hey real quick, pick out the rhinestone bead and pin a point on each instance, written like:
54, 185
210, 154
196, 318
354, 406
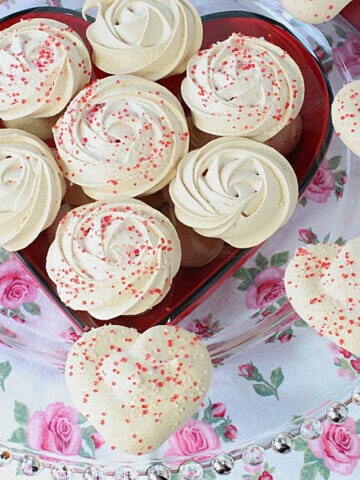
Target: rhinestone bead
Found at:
158, 472
253, 455
311, 428
337, 413
30, 465
5, 456
61, 471
126, 473
191, 470
223, 464
94, 472
283, 443
356, 395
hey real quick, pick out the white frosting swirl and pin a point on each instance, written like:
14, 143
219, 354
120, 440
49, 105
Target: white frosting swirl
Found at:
115, 258
121, 135
243, 86
149, 38
31, 188
236, 189
44, 63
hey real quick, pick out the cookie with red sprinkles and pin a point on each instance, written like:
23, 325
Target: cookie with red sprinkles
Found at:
322, 282
243, 86
138, 389
314, 11
113, 258
43, 64
345, 111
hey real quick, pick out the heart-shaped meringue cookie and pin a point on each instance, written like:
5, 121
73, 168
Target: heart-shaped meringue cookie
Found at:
314, 11
322, 282
345, 112
137, 389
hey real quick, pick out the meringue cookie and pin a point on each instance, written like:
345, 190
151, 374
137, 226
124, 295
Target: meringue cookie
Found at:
235, 189
322, 284
243, 86
114, 258
314, 11
345, 111
145, 38
121, 135
44, 63
138, 389
31, 188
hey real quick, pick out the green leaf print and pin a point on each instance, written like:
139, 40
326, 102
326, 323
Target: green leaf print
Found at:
277, 377
19, 436
300, 444
89, 443
340, 31
309, 457
4, 255
246, 276
261, 261
309, 471
263, 390
5, 370
32, 308
334, 162
81, 418
21, 413
279, 259
324, 472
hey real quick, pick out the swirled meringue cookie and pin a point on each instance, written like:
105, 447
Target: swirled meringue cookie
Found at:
235, 189
151, 39
31, 188
244, 86
314, 11
121, 135
345, 113
113, 258
44, 63
322, 283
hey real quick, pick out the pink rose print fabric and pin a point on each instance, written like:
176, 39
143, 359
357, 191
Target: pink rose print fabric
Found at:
268, 286
16, 285
203, 435
55, 430
339, 447
195, 436
347, 55
329, 180
58, 428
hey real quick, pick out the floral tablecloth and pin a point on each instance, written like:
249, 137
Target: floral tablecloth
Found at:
263, 389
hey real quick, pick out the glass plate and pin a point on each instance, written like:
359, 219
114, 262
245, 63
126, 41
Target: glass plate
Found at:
257, 419
192, 285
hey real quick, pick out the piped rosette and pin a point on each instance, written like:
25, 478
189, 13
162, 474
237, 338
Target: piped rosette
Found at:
113, 258
44, 63
145, 38
121, 135
322, 282
243, 86
235, 189
31, 188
